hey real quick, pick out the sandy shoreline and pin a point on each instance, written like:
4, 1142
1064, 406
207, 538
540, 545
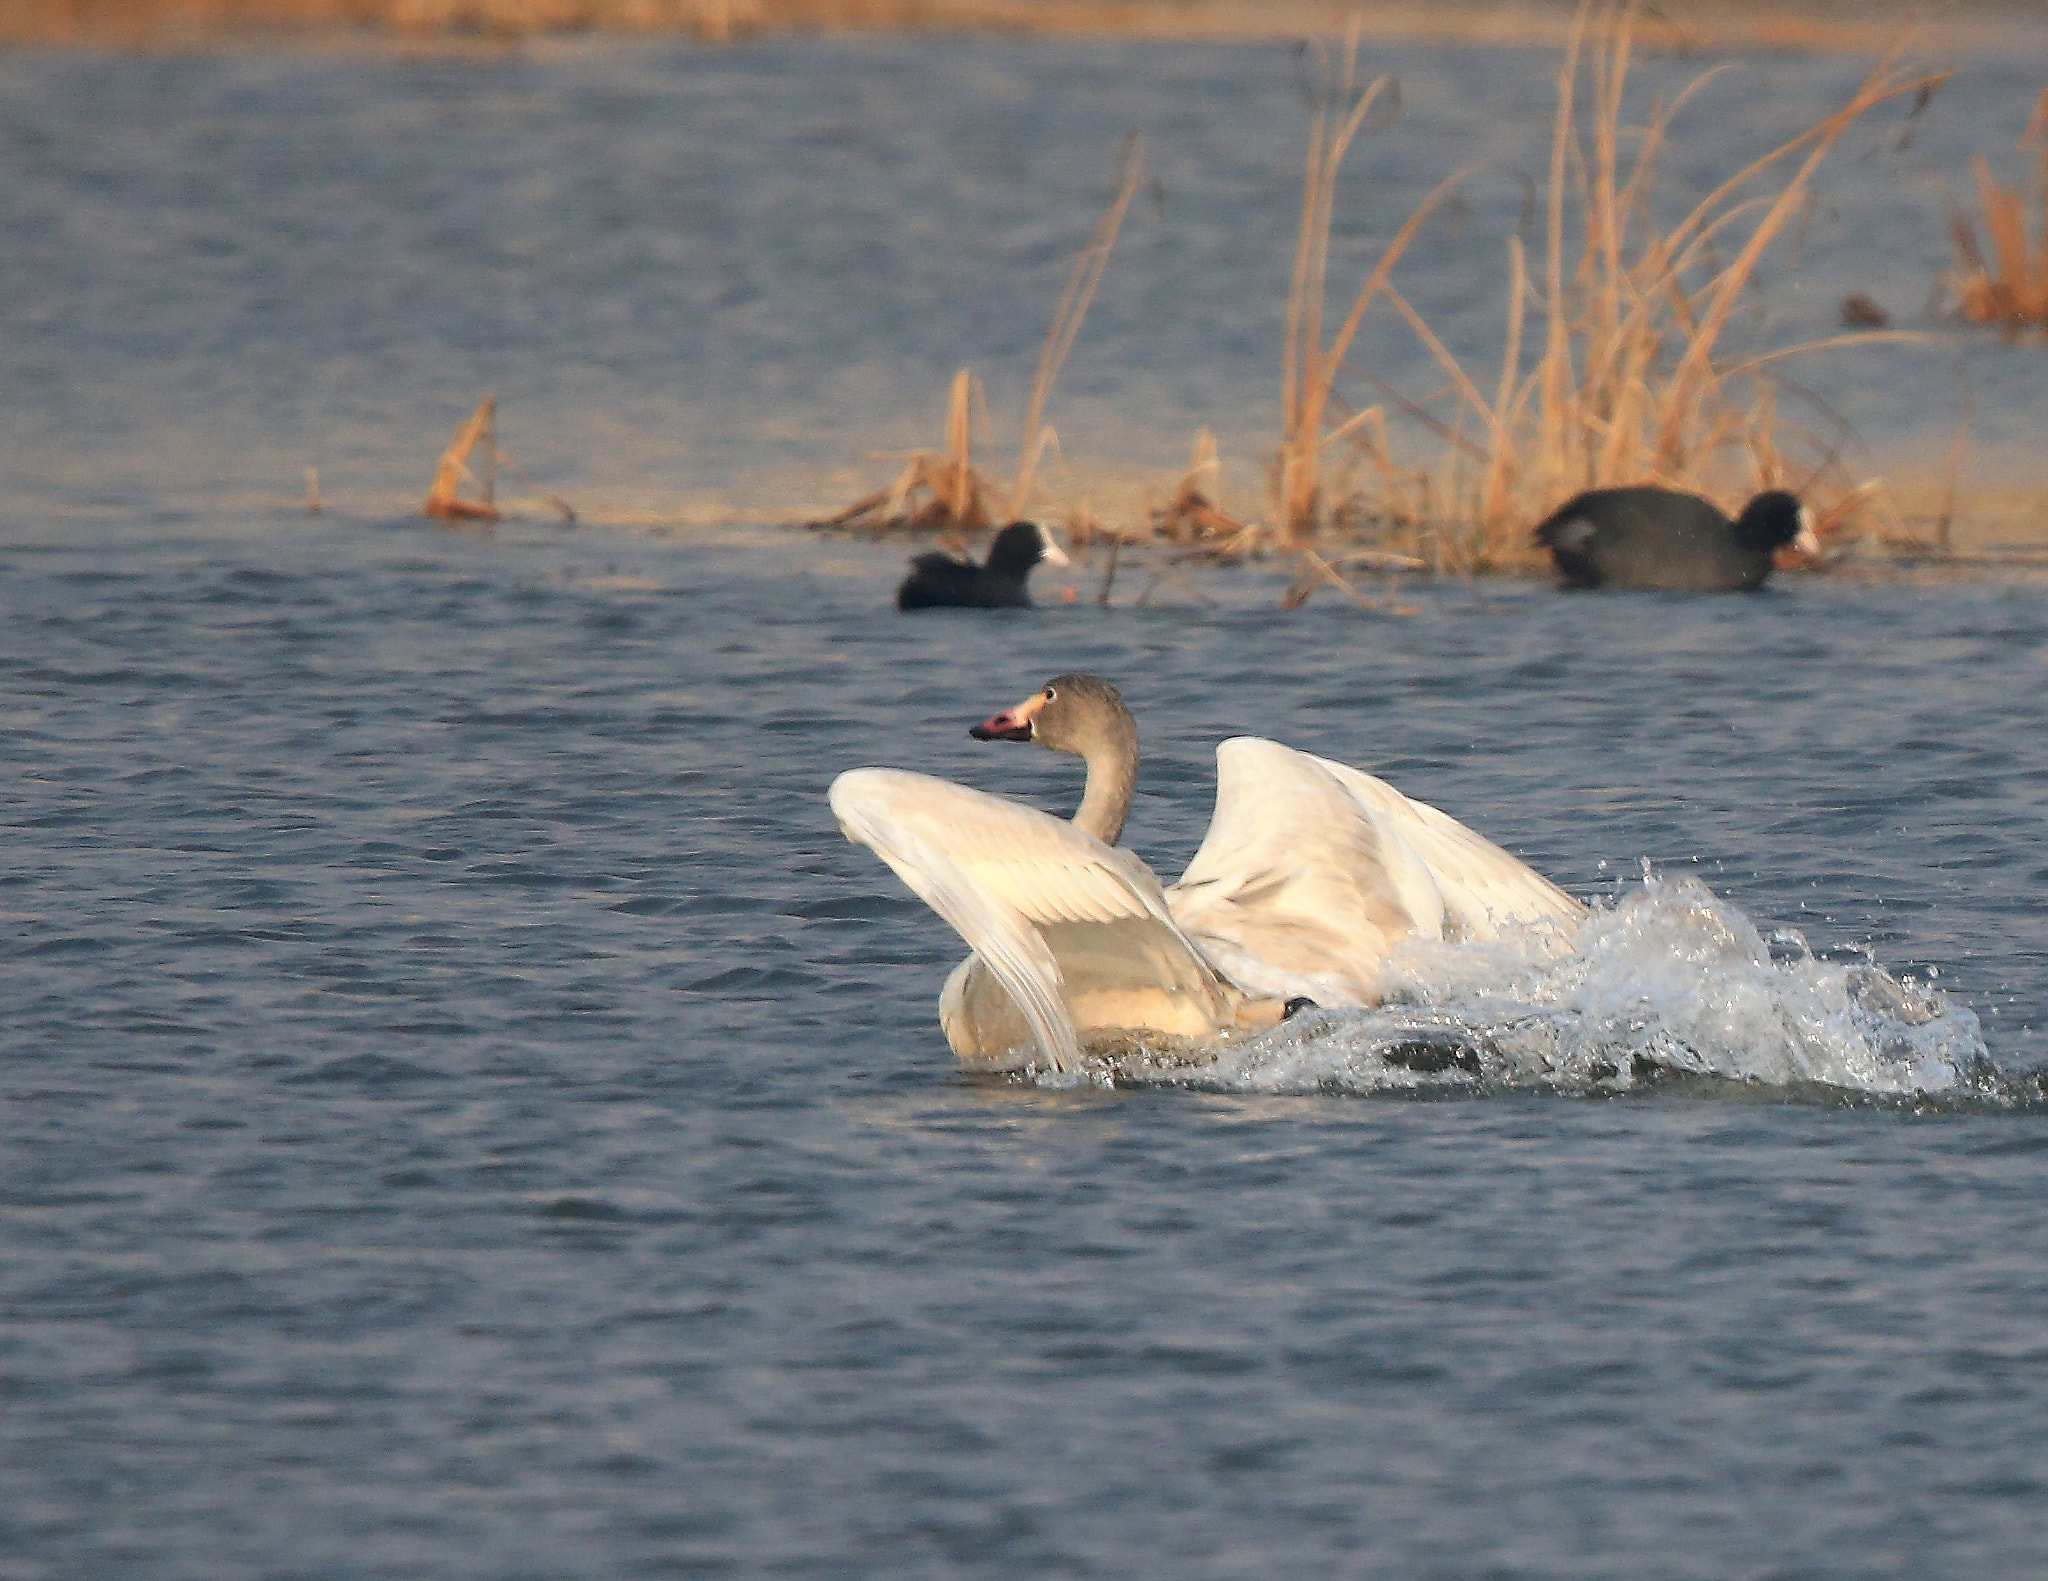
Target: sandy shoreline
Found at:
1817, 25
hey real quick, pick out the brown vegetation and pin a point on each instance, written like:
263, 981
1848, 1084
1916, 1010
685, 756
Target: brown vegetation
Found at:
1614, 367
938, 491
1629, 381
2006, 283
1194, 516
445, 501
1310, 364
1719, 23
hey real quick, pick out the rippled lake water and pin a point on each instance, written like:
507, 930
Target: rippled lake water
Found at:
470, 1115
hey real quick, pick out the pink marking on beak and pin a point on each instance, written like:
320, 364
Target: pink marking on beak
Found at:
1006, 726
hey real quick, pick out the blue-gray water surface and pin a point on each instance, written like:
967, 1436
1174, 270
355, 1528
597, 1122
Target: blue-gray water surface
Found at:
707, 281
469, 1115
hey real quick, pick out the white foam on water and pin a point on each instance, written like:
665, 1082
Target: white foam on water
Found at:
1667, 979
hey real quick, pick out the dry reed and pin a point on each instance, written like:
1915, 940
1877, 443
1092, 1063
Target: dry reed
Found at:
1310, 364
1629, 382
938, 491
1195, 515
1072, 313
942, 490
479, 430
2005, 284
444, 499
1312, 571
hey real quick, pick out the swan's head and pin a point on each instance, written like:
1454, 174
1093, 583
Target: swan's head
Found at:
1070, 713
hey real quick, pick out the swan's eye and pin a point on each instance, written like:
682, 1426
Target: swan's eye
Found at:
1050, 694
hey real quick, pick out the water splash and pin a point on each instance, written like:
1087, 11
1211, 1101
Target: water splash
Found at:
1667, 983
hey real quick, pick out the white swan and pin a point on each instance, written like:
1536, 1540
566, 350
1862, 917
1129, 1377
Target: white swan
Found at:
1310, 873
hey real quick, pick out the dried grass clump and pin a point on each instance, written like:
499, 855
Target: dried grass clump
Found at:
2006, 285
938, 491
445, 501
1627, 381
444, 498
1194, 518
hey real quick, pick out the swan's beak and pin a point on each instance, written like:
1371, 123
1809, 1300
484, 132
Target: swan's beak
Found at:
1012, 724
1808, 541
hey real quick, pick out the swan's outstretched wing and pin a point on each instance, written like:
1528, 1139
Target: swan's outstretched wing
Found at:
1050, 911
1484, 888
1299, 888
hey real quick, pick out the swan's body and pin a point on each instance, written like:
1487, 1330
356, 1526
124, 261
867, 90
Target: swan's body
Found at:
1069, 935
1310, 874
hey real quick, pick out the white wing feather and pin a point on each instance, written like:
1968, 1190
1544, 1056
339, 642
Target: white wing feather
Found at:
1298, 888
1310, 873
1484, 889
999, 872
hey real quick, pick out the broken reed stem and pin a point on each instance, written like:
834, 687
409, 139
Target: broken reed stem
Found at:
444, 499
1944, 527
1309, 365
1195, 514
1072, 312
958, 488
555, 501
1116, 546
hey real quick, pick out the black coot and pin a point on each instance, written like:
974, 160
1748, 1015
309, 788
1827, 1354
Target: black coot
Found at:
938, 581
1646, 537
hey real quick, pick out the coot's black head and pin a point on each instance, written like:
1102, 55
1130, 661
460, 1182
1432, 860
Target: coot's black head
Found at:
1774, 519
1020, 546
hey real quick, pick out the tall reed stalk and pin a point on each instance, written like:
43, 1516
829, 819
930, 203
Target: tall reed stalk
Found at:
1621, 378
1339, 106
2008, 286
1072, 312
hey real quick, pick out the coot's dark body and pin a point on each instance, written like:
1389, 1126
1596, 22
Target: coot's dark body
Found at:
1658, 539
938, 581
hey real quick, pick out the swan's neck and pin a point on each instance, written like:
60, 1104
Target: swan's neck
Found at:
1112, 781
